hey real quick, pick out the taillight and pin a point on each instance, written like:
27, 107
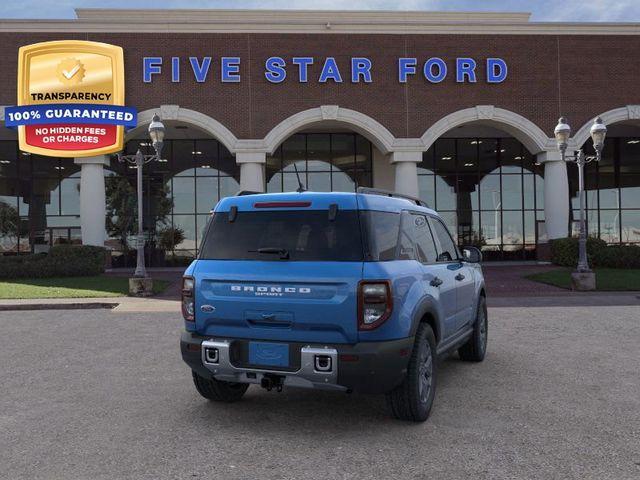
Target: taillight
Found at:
374, 303
188, 305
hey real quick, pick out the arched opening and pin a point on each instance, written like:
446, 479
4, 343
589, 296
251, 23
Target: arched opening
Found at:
179, 193
327, 158
488, 188
612, 186
333, 148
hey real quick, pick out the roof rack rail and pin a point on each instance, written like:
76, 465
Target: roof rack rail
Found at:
389, 193
242, 193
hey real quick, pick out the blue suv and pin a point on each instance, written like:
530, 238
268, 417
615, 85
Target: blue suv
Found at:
341, 291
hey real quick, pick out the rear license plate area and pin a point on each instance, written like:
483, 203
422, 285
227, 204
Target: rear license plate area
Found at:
265, 354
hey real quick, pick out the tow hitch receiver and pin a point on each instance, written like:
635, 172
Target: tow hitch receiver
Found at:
270, 381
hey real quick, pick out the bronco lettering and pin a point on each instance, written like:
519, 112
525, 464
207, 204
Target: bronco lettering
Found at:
266, 290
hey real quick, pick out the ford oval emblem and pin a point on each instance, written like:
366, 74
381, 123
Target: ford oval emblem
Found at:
208, 308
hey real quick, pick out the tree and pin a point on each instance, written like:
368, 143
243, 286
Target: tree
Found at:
122, 208
169, 237
9, 221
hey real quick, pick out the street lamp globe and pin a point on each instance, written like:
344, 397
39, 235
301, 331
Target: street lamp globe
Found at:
598, 132
562, 133
156, 132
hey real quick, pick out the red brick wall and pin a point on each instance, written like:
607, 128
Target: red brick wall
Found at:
578, 76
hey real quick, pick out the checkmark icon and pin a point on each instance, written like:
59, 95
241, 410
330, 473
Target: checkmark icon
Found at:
71, 73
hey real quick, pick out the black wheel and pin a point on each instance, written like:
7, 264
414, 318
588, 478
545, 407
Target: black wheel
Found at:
412, 400
476, 347
217, 391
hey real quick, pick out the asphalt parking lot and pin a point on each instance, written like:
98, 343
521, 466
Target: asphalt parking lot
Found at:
98, 394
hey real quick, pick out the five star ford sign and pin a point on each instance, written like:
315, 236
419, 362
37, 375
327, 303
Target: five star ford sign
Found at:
70, 99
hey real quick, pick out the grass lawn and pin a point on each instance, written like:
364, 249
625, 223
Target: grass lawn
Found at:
71, 287
607, 279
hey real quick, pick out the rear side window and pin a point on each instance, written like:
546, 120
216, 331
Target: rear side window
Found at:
382, 229
448, 251
304, 235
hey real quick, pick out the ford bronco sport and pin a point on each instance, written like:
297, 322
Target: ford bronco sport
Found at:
342, 291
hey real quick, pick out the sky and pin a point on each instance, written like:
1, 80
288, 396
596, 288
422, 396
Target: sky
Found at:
542, 10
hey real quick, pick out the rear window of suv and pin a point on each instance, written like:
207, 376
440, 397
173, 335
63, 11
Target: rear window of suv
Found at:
293, 235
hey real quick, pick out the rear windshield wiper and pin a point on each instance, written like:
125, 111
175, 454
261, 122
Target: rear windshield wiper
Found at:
283, 252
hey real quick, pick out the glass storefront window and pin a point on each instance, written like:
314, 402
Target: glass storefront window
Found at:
489, 189
182, 161
188, 225
610, 226
630, 189
490, 193
183, 194
530, 228
487, 159
445, 195
630, 224
445, 156
426, 166
70, 195
206, 194
498, 193
612, 191
192, 177
342, 182
512, 230
318, 149
529, 191
8, 159
325, 161
467, 192
319, 182
426, 187
512, 192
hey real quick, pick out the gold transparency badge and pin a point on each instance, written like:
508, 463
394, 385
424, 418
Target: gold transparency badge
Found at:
71, 99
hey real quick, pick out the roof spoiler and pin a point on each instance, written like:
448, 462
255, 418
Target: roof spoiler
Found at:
389, 193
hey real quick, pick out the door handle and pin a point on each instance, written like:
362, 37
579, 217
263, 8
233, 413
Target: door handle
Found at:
459, 277
436, 282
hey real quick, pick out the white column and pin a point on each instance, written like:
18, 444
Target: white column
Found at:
251, 170
383, 171
406, 167
93, 209
556, 194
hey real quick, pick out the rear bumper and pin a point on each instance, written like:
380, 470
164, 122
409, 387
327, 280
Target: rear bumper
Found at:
367, 367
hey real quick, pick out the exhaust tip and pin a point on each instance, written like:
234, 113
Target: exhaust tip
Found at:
323, 363
211, 355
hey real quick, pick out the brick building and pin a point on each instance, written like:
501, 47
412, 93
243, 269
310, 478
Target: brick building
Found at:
457, 108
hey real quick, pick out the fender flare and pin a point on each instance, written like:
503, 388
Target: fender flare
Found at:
427, 306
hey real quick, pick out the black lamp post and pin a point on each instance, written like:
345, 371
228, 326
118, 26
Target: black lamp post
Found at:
156, 133
598, 132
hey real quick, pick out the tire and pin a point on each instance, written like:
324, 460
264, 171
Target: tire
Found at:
476, 347
413, 398
218, 391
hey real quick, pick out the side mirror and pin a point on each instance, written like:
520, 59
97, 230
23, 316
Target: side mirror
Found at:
471, 254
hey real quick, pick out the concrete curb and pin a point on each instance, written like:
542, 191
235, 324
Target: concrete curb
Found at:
57, 306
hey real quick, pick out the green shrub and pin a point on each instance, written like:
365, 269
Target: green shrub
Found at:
169, 237
618, 256
564, 252
61, 261
178, 261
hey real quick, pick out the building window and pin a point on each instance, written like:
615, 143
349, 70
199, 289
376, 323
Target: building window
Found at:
179, 192
488, 191
612, 190
39, 201
325, 162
